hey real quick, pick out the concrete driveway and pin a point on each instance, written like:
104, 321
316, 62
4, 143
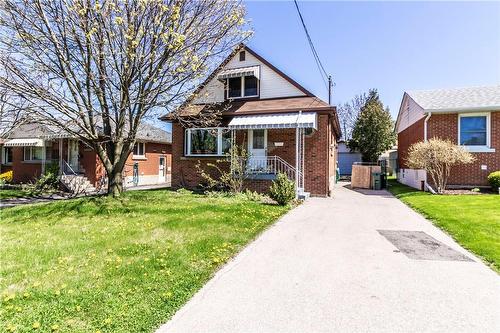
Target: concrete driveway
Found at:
325, 267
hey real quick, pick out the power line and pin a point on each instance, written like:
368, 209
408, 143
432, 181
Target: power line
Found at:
324, 75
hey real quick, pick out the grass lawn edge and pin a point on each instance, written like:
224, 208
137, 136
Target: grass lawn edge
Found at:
435, 221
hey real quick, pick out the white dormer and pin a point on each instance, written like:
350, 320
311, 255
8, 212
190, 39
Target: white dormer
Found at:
247, 75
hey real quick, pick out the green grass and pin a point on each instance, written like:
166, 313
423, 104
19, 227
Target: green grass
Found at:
117, 265
12, 193
472, 220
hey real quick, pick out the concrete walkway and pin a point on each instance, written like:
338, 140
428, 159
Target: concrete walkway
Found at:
324, 267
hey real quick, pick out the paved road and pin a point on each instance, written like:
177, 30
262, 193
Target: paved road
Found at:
324, 267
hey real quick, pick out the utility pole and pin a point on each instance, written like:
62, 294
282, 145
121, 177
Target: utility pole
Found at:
329, 89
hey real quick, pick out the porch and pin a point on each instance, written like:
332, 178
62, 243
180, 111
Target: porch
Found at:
275, 144
33, 157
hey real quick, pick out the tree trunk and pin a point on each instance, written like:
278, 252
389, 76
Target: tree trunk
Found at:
115, 183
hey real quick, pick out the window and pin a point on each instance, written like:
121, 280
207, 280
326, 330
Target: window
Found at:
474, 130
207, 141
242, 56
7, 155
139, 149
250, 86
33, 153
245, 86
234, 87
258, 139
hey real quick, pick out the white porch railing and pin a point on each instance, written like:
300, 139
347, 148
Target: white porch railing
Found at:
273, 165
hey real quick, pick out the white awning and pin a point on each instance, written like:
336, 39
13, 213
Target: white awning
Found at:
239, 72
24, 143
280, 120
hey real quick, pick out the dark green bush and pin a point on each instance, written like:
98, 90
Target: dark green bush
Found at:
282, 190
494, 180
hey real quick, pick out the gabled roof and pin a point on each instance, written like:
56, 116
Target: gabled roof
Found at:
190, 110
470, 99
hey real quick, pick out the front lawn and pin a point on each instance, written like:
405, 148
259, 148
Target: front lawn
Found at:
12, 193
472, 220
117, 265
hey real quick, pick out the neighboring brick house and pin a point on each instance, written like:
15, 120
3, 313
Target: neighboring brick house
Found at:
466, 116
30, 148
283, 126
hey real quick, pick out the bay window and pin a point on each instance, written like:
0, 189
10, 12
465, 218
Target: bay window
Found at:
474, 131
207, 141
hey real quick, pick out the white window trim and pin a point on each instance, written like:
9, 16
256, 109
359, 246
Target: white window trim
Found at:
187, 141
31, 160
139, 157
242, 95
479, 148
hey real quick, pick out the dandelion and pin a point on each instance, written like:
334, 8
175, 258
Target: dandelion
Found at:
36, 325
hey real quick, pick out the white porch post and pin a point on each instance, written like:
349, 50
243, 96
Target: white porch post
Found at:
297, 160
43, 156
60, 156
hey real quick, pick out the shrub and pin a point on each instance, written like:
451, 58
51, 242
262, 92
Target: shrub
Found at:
6, 177
282, 190
494, 180
436, 157
227, 174
48, 182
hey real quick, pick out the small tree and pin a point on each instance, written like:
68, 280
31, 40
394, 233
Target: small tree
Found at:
437, 157
230, 178
373, 131
348, 113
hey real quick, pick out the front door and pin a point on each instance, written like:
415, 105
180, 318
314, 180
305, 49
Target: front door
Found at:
257, 148
73, 155
161, 170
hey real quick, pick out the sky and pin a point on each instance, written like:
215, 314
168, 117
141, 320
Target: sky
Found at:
390, 46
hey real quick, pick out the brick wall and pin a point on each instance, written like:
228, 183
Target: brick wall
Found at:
445, 126
150, 165
24, 172
316, 160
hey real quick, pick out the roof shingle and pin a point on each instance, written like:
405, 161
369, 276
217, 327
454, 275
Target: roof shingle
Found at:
458, 98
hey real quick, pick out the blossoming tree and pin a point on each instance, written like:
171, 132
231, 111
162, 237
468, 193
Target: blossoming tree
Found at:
97, 68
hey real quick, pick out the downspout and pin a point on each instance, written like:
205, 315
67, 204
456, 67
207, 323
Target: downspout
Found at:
425, 125
297, 138
427, 186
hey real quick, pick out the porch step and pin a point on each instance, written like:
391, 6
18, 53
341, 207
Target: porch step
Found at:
77, 184
301, 195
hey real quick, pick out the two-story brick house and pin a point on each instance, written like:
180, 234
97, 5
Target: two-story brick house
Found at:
469, 117
284, 127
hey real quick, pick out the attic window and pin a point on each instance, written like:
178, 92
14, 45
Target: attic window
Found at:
242, 56
240, 87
